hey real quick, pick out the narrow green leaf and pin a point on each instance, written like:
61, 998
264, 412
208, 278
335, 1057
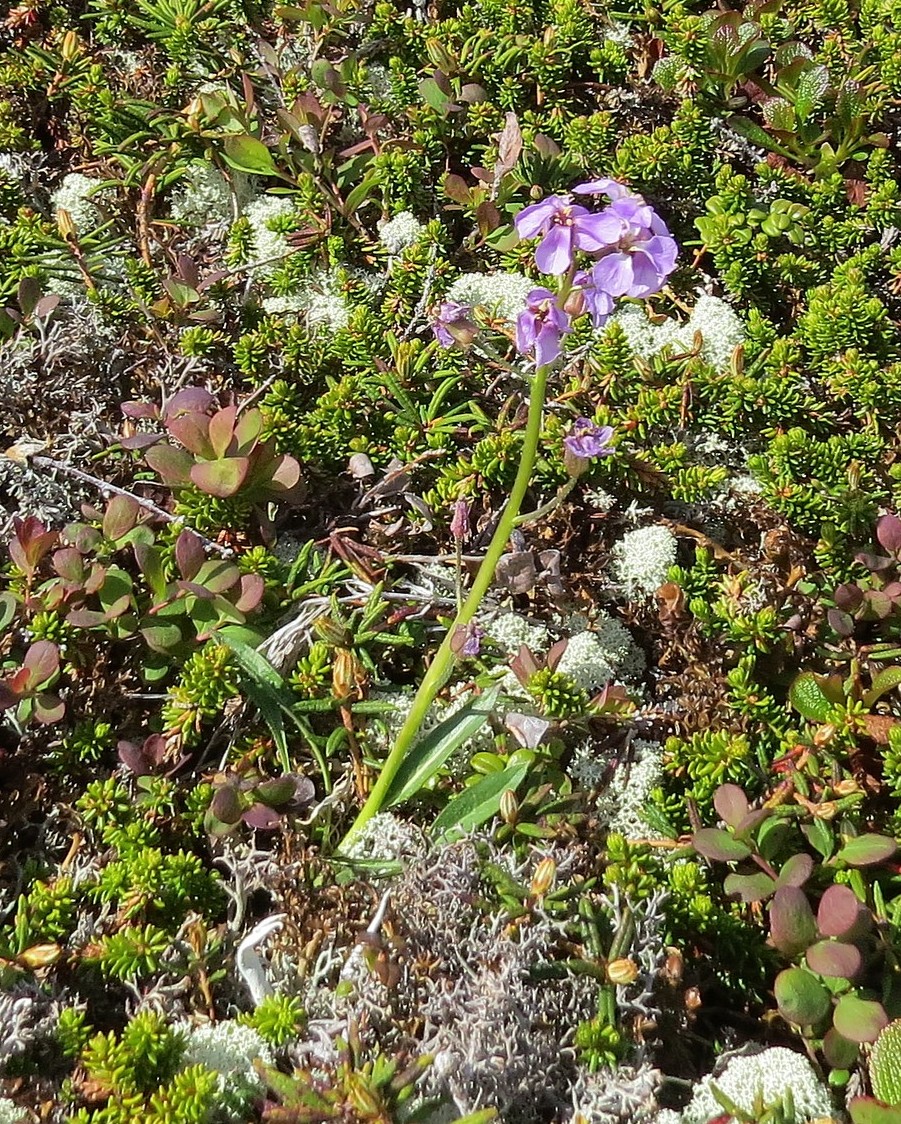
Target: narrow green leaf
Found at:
429, 754
475, 805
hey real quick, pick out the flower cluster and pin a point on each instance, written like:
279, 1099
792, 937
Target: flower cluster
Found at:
634, 252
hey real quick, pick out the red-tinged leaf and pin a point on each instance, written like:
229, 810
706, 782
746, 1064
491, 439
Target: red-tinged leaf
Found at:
189, 554
192, 431
867, 1110
555, 654
252, 589
137, 410
719, 845
888, 532
834, 958
867, 850
196, 589
191, 400
731, 804
221, 430
286, 475
524, 665
488, 217
222, 478
749, 887
792, 924
456, 188
173, 465
31, 541
120, 516
226, 804
86, 618
48, 709
262, 818
69, 564
248, 429
796, 870
839, 912
8, 697
859, 1020
42, 662
801, 997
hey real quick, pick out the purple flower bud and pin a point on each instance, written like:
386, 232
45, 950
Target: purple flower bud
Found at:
540, 326
588, 440
472, 645
452, 324
460, 522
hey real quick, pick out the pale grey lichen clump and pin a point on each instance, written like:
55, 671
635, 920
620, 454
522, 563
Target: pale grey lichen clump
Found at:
400, 232
630, 781
503, 294
642, 558
11, 1113
205, 198
76, 195
229, 1049
264, 216
767, 1075
720, 328
387, 838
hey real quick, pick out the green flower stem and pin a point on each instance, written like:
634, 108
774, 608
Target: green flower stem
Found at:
440, 667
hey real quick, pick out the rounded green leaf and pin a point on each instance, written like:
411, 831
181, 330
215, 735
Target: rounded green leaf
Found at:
220, 478
867, 850
792, 924
839, 1052
801, 997
859, 1020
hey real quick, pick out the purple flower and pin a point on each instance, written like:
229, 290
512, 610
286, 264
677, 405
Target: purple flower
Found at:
452, 324
472, 645
596, 302
588, 440
613, 189
539, 327
566, 227
643, 256
460, 522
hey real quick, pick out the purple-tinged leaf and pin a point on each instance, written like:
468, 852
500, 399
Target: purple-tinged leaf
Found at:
221, 430
226, 804
888, 532
731, 804
839, 1051
252, 589
792, 924
796, 870
841, 623
859, 1020
262, 818
48, 708
719, 845
120, 516
848, 597
839, 912
42, 662
834, 958
171, 464
191, 400
189, 554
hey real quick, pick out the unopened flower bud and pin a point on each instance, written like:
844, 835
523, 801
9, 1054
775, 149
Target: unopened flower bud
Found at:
509, 806
543, 878
460, 522
65, 224
622, 971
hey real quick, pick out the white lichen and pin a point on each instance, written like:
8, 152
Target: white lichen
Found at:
621, 806
502, 294
76, 195
11, 1113
642, 558
763, 1077
510, 632
401, 231
720, 327
204, 197
386, 838
229, 1049
603, 654
267, 217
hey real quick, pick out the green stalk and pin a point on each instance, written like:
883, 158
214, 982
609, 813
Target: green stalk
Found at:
440, 667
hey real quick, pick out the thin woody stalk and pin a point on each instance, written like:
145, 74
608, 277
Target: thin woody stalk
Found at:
443, 661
